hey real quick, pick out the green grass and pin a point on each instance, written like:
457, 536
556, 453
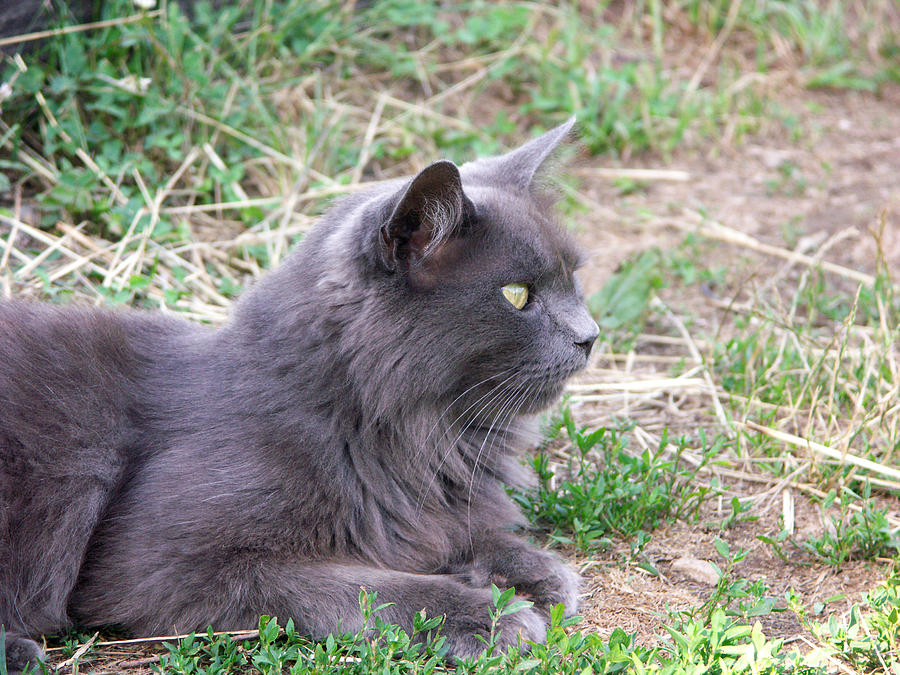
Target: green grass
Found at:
605, 491
149, 131
720, 642
98, 122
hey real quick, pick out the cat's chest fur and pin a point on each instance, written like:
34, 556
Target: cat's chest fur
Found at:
229, 455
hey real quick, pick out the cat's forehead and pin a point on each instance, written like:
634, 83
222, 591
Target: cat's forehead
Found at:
525, 226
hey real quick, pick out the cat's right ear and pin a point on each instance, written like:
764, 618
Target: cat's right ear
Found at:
430, 209
519, 168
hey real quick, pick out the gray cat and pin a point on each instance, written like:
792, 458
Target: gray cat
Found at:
353, 424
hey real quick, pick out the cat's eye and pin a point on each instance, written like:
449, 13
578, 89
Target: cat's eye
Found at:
517, 294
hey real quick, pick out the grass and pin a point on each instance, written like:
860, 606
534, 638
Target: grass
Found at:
153, 131
603, 490
165, 164
720, 643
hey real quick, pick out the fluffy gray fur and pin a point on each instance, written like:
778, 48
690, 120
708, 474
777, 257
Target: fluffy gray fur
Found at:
353, 424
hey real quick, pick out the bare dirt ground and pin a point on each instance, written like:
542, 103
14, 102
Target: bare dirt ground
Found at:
844, 172
820, 190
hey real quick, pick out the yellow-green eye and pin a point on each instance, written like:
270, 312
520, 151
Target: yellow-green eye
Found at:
517, 294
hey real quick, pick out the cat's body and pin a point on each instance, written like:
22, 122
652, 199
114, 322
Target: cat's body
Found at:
352, 425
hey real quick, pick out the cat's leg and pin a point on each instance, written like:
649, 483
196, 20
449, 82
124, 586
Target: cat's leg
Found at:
507, 560
21, 653
49, 514
322, 597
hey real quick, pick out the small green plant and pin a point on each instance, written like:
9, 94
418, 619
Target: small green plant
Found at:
724, 645
377, 647
737, 596
869, 638
606, 491
739, 514
504, 605
861, 533
689, 264
789, 181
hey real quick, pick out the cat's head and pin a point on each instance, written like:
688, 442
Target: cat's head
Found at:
466, 294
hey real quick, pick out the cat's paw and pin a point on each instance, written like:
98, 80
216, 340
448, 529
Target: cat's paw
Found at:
561, 585
545, 580
22, 653
525, 625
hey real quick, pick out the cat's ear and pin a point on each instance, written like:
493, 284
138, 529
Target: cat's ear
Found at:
426, 212
518, 168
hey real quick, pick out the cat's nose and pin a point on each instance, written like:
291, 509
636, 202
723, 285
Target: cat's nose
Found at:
585, 340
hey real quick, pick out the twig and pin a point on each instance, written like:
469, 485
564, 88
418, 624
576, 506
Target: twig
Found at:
633, 174
714, 49
368, 139
82, 155
78, 653
642, 385
798, 442
698, 359
137, 663
806, 487
240, 634
715, 230
65, 30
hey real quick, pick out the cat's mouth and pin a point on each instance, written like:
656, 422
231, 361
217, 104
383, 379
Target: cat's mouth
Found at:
546, 385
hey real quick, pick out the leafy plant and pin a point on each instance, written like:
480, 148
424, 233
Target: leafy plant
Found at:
606, 491
863, 533
868, 638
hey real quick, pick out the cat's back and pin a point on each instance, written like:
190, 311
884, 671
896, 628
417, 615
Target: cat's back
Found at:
64, 373
72, 379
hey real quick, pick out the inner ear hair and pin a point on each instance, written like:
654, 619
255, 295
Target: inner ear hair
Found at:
441, 218
429, 210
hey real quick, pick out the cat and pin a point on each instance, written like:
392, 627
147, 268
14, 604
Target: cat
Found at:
354, 424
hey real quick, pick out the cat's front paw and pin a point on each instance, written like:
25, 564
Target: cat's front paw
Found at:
525, 625
561, 585
22, 653
545, 580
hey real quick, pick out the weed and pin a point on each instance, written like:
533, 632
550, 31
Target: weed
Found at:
864, 534
869, 637
689, 264
733, 595
721, 645
739, 514
861, 533
789, 181
816, 33
606, 491
504, 605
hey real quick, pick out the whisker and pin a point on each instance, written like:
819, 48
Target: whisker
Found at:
491, 395
507, 408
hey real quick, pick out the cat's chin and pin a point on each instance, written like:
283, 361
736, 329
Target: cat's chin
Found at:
543, 399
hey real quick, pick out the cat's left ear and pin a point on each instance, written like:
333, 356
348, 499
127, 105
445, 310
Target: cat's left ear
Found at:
519, 167
428, 210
